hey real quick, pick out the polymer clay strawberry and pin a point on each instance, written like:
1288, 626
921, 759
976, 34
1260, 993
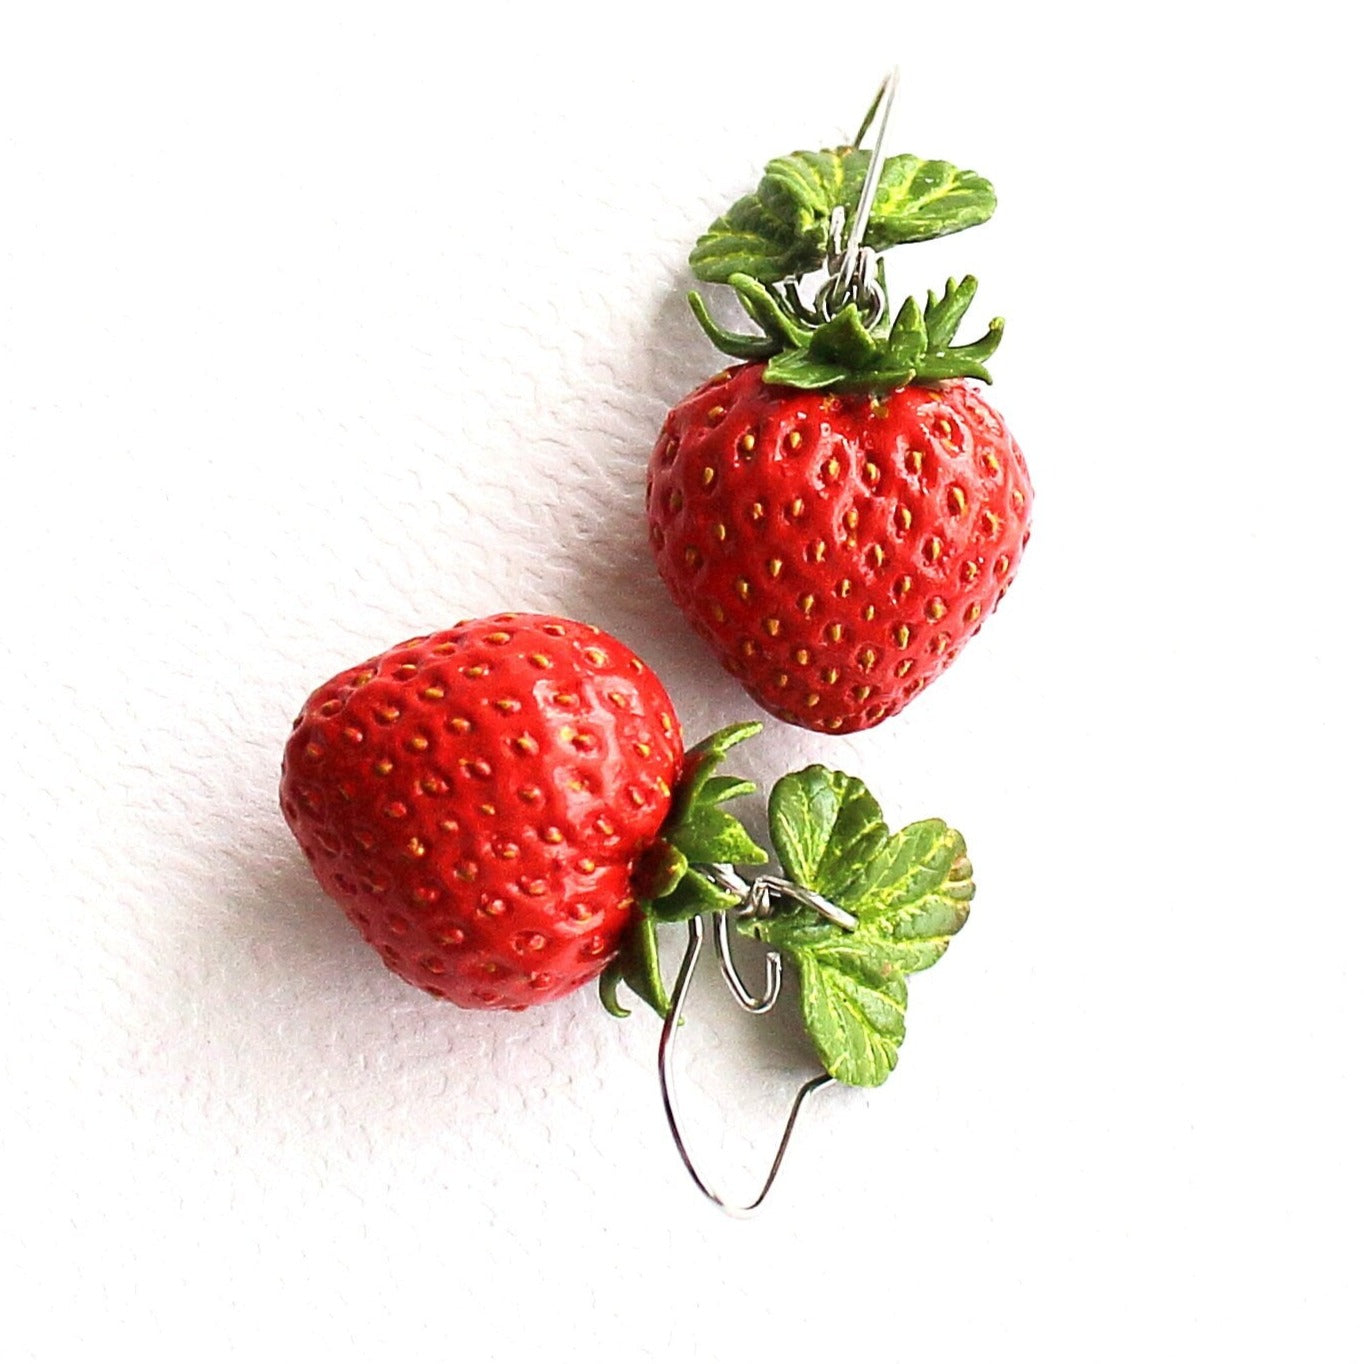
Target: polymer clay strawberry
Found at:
839, 514
476, 800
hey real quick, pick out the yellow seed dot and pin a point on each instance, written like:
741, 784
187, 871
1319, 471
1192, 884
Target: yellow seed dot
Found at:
718, 612
869, 612
748, 648
832, 469
419, 743
836, 722
802, 657
757, 511
643, 749
615, 698
797, 508
973, 611
935, 609
459, 724
940, 643
526, 744
500, 637
383, 767
807, 604
507, 704
773, 626
861, 693
850, 518
1002, 565
774, 568
902, 636
721, 530
831, 675
957, 500
747, 441
872, 473
691, 556
587, 865
716, 414
878, 556
818, 550
903, 667
970, 571
991, 523
707, 476
867, 658
475, 670
415, 847
433, 693
666, 723
835, 633
793, 440
782, 680
903, 585
844, 586
991, 463
933, 550
595, 656
905, 517
1018, 498
812, 699
743, 587
675, 501
540, 660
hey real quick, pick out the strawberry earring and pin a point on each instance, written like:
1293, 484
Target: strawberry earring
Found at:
506, 812
837, 515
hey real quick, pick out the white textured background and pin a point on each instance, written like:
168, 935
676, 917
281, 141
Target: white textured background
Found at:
323, 325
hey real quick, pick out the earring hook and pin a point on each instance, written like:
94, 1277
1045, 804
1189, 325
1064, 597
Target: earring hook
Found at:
666, 1048
854, 261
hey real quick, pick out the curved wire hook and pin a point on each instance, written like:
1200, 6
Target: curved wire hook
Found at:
852, 262
695, 933
746, 1000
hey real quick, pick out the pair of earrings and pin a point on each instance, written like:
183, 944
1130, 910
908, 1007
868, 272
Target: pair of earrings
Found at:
506, 809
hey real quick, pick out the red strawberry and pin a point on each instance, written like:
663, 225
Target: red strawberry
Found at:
476, 801
836, 549
838, 516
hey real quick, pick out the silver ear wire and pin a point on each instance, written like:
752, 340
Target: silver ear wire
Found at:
756, 903
851, 265
695, 934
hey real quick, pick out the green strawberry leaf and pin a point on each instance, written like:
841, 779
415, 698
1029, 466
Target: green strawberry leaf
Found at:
910, 893
918, 200
782, 228
826, 828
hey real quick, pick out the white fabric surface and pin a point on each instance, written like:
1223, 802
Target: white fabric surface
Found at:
321, 327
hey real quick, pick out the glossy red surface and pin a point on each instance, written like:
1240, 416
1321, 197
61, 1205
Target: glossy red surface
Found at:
836, 551
475, 801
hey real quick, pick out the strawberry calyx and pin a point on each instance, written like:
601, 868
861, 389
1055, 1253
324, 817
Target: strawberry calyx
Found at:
847, 354
667, 878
